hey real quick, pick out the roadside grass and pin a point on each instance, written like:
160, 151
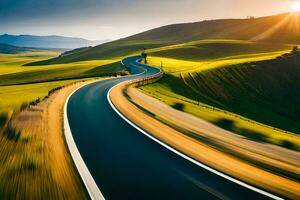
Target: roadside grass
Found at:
12, 97
184, 78
266, 91
173, 91
34, 162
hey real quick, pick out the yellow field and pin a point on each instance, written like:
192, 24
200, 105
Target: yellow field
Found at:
170, 90
176, 66
14, 77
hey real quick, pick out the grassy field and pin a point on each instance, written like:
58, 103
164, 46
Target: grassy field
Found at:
240, 97
34, 162
32, 149
11, 97
13, 69
22, 84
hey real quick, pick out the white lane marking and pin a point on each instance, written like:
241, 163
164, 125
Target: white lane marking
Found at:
189, 158
86, 177
88, 180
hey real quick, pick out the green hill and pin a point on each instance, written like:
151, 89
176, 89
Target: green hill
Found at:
10, 49
281, 28
273, 29
266, 91
202, 50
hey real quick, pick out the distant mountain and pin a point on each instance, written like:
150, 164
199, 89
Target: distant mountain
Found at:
277, 29
47, 41
10, 49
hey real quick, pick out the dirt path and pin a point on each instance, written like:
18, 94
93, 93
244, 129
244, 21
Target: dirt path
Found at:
202, 151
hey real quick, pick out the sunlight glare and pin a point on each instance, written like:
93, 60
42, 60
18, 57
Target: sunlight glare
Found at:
295, 6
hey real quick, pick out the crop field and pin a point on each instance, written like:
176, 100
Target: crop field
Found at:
223, 90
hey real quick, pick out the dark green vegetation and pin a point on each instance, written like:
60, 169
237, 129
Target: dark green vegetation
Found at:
10, 49
203, 50
278, 29
267, 91
77, 50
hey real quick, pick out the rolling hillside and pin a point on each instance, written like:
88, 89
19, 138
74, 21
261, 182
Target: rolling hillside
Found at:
10, 49
273, 29
267, 91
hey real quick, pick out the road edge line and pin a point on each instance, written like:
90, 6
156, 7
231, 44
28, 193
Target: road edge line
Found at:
85, 175
210, 169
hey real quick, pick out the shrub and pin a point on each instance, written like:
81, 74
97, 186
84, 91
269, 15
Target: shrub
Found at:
23, 106
124, 73
288, 144
178, 106
3, 119
32, 103
38, 100
295, 49
12, 133
54, 89
227, 124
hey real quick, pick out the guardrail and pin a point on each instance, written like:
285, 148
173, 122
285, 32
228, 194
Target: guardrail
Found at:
144, 81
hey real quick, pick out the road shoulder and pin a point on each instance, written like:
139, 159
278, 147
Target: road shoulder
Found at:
194, 148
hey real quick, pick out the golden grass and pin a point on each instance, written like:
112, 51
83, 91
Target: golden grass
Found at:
11, 97
182, 68
212, 114
194, 148
36, 164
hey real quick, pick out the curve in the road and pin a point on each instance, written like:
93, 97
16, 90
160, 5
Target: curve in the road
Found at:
126, 164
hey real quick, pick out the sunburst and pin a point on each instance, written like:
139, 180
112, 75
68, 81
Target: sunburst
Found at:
295, 6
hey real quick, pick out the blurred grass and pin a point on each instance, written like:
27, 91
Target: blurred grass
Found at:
12, 97
32, 155
34, 162
221, 88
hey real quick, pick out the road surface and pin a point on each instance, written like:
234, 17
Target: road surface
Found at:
126, 164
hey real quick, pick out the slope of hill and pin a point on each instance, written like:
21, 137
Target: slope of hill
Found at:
47, 41
203, 50
266, 91
279, 28
10, 49
273, 29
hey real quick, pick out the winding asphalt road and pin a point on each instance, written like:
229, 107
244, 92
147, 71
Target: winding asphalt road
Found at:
126, 164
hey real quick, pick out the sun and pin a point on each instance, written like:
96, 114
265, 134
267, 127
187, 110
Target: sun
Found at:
295, 6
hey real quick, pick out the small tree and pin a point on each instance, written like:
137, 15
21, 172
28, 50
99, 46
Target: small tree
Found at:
295, 49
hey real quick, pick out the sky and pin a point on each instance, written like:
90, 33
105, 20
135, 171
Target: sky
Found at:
113, 19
